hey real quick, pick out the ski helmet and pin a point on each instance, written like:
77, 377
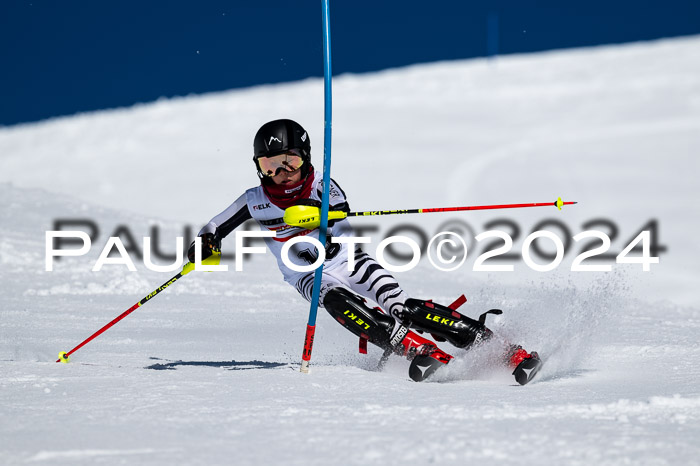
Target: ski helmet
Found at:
280, 136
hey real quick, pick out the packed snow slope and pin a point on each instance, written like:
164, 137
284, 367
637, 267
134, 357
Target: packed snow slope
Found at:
614, 128
207, 372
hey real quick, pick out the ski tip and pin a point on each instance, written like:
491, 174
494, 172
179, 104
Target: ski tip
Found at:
63, 357
527, 369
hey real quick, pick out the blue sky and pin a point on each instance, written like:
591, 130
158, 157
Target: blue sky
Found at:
60, 58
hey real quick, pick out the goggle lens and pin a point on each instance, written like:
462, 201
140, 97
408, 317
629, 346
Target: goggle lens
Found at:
271, 166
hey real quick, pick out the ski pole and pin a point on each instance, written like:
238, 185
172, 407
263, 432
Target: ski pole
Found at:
64, 356
309, 216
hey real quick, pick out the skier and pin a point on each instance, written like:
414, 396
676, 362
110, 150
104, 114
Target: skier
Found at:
282, 157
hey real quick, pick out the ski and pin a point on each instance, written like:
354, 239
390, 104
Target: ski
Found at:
528, 369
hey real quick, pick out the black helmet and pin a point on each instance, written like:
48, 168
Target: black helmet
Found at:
280, 136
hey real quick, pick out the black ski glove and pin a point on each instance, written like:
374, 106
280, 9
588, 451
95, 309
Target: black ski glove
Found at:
210, 243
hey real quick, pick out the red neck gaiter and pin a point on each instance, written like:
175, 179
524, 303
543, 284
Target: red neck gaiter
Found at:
284, 196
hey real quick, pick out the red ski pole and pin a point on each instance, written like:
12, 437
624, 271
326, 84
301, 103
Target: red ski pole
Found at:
64, 356
310, 216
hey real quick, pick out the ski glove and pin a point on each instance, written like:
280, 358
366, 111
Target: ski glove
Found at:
210, 243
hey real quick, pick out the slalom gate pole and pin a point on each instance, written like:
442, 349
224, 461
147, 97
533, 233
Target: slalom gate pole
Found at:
310, 216
323, 226
65, 356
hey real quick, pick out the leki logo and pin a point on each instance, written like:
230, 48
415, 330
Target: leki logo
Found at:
272, 138
440, 320
357, 319
303, 137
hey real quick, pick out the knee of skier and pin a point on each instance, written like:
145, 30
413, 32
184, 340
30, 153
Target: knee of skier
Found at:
327, 288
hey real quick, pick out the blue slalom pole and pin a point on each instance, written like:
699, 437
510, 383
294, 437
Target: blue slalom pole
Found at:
328, 116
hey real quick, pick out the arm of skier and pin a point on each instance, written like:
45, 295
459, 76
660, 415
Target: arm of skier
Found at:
337, 201
220, 226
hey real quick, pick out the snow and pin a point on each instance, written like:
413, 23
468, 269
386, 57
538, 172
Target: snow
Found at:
207, 372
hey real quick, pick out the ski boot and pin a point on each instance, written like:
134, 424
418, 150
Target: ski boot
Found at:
372, 325
525, 365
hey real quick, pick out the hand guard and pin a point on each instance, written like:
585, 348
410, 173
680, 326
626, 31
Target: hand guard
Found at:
332, 248
210, 243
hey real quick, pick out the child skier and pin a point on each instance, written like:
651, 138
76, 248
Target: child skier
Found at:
282, 156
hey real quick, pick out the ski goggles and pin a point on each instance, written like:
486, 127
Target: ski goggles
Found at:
288, 162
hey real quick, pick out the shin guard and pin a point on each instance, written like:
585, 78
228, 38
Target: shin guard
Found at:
444, 322
367, 323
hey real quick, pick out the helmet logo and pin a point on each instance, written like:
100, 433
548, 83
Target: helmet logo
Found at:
303, 137
272, 138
